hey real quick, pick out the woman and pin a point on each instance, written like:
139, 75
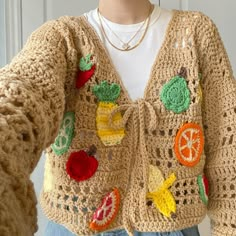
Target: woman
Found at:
135, 106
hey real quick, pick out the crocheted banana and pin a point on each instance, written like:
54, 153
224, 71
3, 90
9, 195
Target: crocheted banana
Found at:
107, 95
159, 191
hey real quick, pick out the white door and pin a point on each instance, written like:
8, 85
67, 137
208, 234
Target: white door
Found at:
35, 12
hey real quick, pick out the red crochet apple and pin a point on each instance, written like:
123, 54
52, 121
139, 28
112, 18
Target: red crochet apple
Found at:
82, 165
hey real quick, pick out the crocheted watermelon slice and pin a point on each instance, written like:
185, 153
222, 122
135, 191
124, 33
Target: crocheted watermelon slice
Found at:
107, 211
203, 188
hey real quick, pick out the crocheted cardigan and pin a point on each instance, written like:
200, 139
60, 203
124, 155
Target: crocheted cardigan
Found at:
159, 163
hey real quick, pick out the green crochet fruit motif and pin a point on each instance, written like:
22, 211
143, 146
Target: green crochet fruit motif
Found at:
65, 135
203, 188
106, 92
175, 95
85, 63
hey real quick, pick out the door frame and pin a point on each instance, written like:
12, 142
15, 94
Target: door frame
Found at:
12, 29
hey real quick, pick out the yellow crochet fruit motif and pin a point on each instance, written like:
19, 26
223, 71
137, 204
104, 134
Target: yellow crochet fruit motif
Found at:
107, 95
108, 135
159, 191
156, 178
49, 179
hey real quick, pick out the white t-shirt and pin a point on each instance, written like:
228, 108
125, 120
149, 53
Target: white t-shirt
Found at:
134, 67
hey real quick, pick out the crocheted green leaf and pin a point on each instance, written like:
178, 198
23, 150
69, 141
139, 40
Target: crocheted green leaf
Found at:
85, 63
175, 95
65, 135
105, 92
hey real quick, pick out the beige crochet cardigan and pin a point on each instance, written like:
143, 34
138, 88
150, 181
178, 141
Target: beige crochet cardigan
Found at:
183, 128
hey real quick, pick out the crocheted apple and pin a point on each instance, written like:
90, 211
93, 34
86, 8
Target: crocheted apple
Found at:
82, 165
86, 70
107, 211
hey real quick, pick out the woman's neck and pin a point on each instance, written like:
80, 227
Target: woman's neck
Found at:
125, 11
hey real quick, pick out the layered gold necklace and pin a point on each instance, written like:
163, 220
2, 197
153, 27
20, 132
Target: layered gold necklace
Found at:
126, 45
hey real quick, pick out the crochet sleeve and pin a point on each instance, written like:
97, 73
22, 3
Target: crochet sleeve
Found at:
219, 120
31, 109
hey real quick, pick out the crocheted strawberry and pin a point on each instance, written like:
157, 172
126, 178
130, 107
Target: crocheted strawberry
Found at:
82, 165
86, 70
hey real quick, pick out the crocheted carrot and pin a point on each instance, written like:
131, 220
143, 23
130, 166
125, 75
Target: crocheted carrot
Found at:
107, 95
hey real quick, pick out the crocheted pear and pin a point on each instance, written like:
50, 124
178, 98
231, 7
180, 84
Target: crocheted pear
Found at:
175, 94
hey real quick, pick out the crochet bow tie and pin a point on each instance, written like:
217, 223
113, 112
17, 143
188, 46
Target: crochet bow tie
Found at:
143, 117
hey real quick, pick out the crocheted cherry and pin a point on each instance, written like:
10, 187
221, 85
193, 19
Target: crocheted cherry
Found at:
86, 71
107, 211
82, 165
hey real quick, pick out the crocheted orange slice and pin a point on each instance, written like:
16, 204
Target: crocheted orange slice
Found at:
189, 143
107, 211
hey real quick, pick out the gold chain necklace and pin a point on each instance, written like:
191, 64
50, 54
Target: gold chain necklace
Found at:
126, 46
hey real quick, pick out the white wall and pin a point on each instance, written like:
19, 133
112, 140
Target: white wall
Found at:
10, 29
33, 15
2, 35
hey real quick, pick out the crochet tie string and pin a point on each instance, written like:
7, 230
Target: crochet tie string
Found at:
138, 109
143, 117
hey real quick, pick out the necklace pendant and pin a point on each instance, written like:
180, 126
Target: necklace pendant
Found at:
126, 46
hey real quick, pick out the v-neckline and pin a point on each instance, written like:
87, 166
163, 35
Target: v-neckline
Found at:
112, 66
